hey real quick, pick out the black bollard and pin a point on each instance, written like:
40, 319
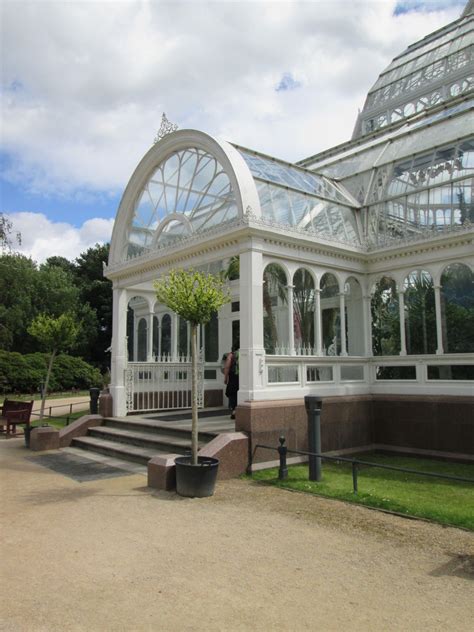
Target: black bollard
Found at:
313, 406
282, 451
94, 403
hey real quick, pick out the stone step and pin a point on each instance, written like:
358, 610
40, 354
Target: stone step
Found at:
150, 426
117, 450
169, 442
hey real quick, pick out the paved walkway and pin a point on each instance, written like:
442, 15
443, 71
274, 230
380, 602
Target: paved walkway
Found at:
110, 554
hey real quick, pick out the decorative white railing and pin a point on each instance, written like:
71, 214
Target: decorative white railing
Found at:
449, 374
161, 385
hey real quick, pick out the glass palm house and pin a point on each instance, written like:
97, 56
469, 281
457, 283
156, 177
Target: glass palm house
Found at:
351, 271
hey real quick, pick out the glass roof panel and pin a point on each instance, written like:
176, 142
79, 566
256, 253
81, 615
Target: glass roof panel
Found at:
307, 213
284, 174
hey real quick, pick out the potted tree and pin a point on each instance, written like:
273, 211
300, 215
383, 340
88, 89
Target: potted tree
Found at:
194, 296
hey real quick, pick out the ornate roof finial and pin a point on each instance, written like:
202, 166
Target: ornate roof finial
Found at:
166, 127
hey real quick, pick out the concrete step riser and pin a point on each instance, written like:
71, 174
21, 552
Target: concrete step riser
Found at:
161, 446
106, 451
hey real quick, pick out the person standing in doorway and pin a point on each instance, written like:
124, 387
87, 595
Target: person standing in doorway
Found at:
231, 379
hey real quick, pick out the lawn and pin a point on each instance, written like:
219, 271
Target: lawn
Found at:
444, 501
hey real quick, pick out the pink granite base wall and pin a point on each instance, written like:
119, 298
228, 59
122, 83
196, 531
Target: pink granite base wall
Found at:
345, 422
436, 424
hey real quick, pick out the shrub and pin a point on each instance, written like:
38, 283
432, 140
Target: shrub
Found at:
24, 373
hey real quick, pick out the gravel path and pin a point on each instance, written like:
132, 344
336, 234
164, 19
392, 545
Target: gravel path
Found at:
113, 555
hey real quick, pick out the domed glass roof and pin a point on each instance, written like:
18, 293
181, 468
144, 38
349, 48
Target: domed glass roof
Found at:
435, 70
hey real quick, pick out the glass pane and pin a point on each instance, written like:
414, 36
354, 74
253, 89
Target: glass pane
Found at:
457, 309
212, 339
166, 335
420, 314
385, 318
275, 310
303, 310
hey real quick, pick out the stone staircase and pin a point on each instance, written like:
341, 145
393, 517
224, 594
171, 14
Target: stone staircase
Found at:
137, 440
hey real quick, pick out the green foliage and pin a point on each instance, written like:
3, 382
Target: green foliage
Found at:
55, 287
445, 501
24, 373
54, 334
17, 306
193, 295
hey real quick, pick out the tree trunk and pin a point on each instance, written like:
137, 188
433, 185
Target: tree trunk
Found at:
194, 394
46, 383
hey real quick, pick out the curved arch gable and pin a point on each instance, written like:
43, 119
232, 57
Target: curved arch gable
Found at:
228, 157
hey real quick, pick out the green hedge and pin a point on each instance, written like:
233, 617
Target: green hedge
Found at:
24, 373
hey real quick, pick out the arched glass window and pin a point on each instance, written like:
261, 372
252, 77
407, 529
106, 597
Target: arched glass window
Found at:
211, 338
275, 310
303, 309
142, 340
385, 318
354, 317
330, 315
156, 340
166, 335
136, 312
189, 192
420, 313
457, 309
183, 338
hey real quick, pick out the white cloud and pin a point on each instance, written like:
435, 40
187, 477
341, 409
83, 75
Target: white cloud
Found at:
85, 82
41, 238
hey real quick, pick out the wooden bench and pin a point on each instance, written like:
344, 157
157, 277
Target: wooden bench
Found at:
14, 413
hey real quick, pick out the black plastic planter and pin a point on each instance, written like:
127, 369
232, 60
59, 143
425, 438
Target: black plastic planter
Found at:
196, 481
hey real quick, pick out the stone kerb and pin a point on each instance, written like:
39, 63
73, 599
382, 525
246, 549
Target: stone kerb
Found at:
78, 428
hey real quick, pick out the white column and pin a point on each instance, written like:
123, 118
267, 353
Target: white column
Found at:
401, 307
367, 316
342, 318
439, 323
149, 338
119, 350
291, 327
318, 328
252, 353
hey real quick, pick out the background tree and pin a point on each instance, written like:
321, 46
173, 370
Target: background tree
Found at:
56, 287
195, 297
96, 291
17, 305
53, 334
8, 237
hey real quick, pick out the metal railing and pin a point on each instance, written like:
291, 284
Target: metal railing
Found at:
67, 416
283, 468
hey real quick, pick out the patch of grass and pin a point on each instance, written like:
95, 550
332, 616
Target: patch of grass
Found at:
444, 501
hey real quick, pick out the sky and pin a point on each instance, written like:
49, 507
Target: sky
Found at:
84, 84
